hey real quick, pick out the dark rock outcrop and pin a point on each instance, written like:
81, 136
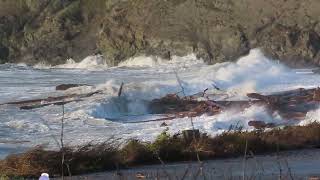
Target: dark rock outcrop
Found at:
216, 30
4, 53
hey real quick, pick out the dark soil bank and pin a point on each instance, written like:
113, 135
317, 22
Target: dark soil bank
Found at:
216, 30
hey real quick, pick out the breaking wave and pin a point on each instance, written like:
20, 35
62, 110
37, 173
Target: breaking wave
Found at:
90, 62
176, 62
141, 61
94, 62
311, 117
98, 62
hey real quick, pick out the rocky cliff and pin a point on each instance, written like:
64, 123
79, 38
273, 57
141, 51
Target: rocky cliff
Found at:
216, 30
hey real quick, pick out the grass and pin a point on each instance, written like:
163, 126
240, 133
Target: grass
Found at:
166, 148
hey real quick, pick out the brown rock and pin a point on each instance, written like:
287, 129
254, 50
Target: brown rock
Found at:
63, 87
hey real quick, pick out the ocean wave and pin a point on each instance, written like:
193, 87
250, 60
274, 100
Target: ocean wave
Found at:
146, 78
98, 62
93, 62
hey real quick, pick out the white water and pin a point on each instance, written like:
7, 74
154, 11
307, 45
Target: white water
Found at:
145, 78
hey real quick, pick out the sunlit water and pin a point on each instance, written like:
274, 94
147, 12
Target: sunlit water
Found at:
144, 78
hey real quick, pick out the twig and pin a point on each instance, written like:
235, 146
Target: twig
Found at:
216, 87
258, 166
68, 168
289, 169
197, 174
185, 173
278, 162
144, 121
163, 166
157, 175
120, 89
245, 161
52, 136
62, 144
180, 83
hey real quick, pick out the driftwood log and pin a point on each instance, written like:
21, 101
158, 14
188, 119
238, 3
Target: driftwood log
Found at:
57, 100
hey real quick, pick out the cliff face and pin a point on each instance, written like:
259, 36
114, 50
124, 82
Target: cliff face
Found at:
216, 30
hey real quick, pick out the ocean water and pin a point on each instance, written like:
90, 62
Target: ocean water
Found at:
104, 116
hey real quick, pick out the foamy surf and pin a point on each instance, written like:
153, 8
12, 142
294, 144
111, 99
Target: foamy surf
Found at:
99, 63
93, 62
105, 115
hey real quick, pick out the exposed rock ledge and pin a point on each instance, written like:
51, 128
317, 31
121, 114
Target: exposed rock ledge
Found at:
216, 30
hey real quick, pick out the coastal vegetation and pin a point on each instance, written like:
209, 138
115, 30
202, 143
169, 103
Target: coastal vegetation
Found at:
166, 148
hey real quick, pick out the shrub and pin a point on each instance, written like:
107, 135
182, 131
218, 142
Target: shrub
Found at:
136, 152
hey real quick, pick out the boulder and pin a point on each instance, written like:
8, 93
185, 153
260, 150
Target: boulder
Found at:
63, 87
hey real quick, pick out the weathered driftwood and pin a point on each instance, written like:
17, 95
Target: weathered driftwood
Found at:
182, 107
189, 107
165, 118
261, 124
57, 100
290, 105
34, 106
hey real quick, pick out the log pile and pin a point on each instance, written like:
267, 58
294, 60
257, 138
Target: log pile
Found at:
172, 104
290, 105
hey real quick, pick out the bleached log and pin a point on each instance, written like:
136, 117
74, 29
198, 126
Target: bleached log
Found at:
57, 100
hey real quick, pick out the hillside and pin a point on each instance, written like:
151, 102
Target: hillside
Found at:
51, 31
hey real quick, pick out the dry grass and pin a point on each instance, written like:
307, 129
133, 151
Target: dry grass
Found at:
88, 158
107, 156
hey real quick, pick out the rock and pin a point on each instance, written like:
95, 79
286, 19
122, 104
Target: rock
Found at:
63, 87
